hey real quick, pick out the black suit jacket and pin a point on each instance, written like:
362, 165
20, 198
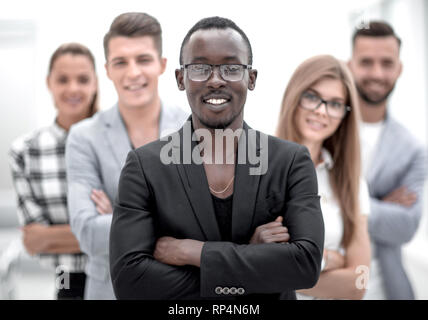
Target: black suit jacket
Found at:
174, 200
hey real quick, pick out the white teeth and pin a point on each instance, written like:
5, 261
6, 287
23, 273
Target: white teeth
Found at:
216, 101
315, 124
134, 87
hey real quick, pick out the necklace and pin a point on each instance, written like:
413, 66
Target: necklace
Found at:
227, 187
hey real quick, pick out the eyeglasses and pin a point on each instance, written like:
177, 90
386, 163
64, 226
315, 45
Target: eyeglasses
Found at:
335, 109
202, 71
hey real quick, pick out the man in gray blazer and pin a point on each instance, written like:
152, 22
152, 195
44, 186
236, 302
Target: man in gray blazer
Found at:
393, 161
97, 147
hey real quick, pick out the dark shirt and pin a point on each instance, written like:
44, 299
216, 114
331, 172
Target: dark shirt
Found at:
223, 213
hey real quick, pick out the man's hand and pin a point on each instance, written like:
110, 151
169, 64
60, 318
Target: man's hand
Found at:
178, 252
102, 202
402, 196
271, 232
33, 238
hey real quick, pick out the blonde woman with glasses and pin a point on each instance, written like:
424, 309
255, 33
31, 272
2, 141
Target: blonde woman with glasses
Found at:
320, 111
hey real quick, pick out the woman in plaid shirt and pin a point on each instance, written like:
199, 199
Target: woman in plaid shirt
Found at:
38, 168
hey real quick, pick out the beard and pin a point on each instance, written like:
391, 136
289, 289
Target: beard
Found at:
219, 124
373, 101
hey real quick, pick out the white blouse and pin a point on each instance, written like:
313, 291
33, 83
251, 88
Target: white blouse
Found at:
330, 207
333, 223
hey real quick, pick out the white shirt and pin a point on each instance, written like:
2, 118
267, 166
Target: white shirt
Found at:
369, 138
333, 223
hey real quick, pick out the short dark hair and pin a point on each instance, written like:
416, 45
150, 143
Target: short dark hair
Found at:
216, 23
134, 24
375, 29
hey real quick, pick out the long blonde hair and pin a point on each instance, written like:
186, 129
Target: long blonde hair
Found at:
343, 145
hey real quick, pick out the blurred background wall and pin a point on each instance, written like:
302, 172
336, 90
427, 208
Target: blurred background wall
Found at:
282, 34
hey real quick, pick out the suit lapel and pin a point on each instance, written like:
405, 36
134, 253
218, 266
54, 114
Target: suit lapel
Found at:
245, 188
195, 184
116, 135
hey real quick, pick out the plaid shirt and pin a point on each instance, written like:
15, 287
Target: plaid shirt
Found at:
38, 168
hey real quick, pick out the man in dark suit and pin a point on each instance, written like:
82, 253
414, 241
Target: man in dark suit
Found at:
195, 221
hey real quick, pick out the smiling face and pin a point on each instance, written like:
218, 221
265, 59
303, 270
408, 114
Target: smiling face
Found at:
376, 67
316, 126
216, 103
134, 66
73, 84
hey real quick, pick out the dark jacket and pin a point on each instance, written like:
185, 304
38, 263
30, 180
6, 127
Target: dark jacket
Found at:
156, 200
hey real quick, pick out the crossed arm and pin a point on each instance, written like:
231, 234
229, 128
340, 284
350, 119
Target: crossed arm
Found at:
178, 252
395, 217
140, 273
38, 236
54, 239
340, 277
89, 207
339, 269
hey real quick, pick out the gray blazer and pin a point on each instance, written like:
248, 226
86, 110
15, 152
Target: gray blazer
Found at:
398, 161
96, 151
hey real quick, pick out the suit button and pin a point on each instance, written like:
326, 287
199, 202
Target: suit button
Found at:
241, 290
226, 290
233, 290
219, 290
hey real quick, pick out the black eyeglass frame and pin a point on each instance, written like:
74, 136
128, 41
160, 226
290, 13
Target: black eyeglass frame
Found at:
322, 101
212, 66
